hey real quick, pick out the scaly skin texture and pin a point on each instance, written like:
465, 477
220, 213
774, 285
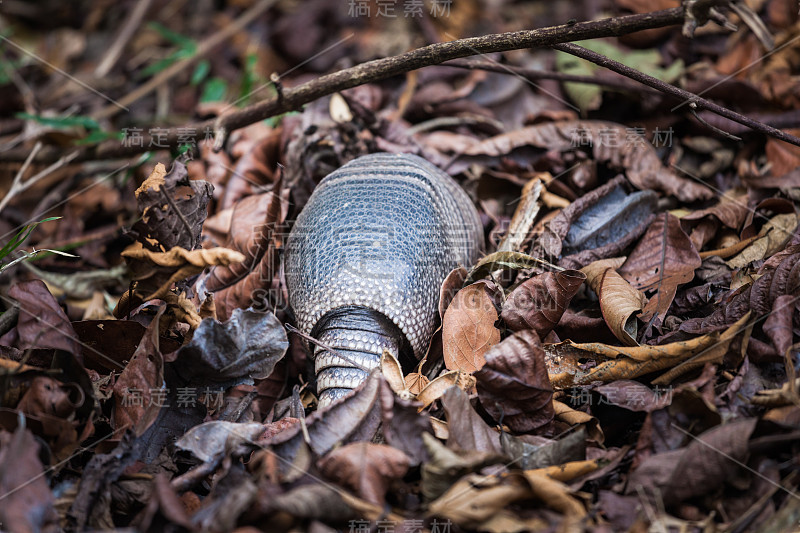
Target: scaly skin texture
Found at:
378, 236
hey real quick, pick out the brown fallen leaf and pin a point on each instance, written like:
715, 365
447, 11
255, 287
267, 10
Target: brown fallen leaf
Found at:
466, 429
156, 272
771, 238
257, 221
253, 221
173, 209
616, 362
28, 503
539, 302
567, 471
41, 323
778, 325
436, 388
505, 261
47, 396
664, 258
475, 499
699, 468
713, 354
554, 494
619, 302
139, 391
423, 391
365, 468
729, 251
468, 329
513, 385
573, 417
638, 159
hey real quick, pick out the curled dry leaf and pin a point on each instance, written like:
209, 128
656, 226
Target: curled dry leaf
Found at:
173, 209
513, 385
468, 328
599, 224
393, 372
157, 271
616, 362
475, 499
539, 302
505, 261
415, 386
436, 388
366, 468
639, 160
772, 238
714, 354
573, 417
253, 222
47, 396
618, 300
255, 227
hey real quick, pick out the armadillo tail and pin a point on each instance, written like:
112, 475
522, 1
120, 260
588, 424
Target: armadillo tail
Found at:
359, 336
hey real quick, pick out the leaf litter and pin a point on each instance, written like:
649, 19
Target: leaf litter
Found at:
623, 357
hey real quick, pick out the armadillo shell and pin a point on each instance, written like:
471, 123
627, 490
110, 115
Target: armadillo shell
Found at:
381, 232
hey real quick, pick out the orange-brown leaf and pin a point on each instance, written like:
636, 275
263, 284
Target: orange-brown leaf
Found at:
468, 328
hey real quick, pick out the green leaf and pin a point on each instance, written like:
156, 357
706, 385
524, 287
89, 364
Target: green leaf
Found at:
62, 122
20, 237
175, 38
200, 72
97, 137
214, 90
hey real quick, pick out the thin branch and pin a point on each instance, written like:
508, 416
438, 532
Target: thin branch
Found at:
129, 27
695, 102
293, 99
533, 75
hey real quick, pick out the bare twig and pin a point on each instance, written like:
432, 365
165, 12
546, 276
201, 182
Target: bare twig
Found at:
294, 98
533, 75
19, 185
132, 22
695, 102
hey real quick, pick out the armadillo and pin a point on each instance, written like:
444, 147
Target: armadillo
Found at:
366, 258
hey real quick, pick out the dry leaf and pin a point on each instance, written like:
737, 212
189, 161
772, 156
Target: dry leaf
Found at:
664, 258
365, 468
513, 385
468, 328
638, 159
618, 300
618, 303
616, 362
157, 271
539, 302
173, 209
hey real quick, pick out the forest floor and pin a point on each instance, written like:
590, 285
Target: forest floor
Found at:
623, 356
